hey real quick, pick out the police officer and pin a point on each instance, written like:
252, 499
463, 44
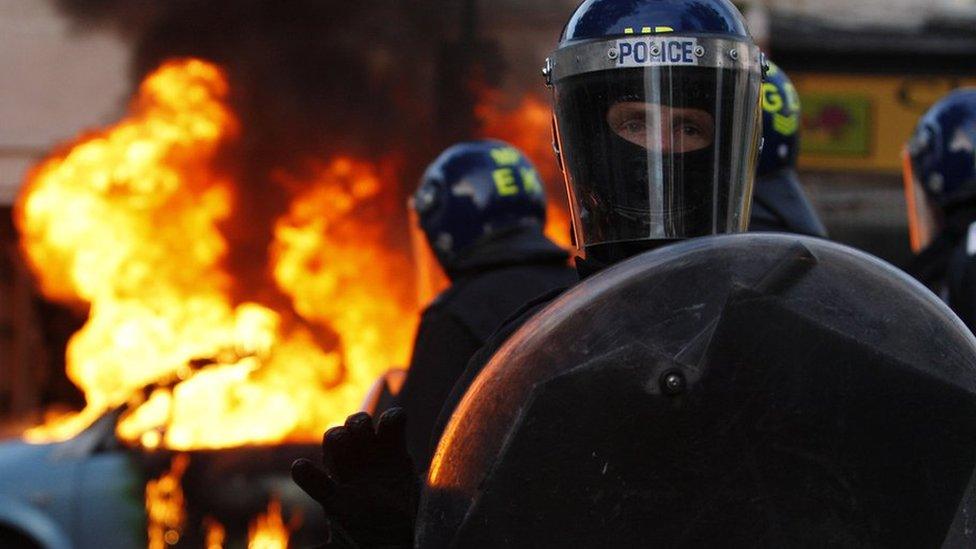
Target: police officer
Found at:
482, 208
940, 188
657, 115
657, 118
778, 202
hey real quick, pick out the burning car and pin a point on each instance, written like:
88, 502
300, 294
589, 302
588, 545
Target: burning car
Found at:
293, 282
136, 225
94, 491
62, 495
204, 375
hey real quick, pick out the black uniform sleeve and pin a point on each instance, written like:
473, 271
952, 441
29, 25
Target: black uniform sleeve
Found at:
441, 351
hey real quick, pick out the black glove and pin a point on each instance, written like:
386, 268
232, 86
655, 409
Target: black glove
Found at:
367, 485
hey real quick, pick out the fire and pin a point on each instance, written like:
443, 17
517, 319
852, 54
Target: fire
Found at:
164, 505
527, 124
167, 516
268, 531
128, 222
216, 534
338, 269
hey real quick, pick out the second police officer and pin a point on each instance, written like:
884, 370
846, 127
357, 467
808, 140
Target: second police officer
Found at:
940, 185
778, 201
482, 209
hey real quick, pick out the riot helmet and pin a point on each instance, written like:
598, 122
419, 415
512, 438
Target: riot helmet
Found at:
778, 201
756, 390
940, 166
781, 123
475, 191
656, 121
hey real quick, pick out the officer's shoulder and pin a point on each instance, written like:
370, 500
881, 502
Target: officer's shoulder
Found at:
449, 296
523, 272
460, 292
442, 300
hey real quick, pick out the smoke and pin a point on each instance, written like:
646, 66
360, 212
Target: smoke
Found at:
305, 73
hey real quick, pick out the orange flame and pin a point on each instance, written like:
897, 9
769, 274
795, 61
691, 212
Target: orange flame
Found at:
268, 531
527, 124
216, 534
164, 505
128, 221
364, 295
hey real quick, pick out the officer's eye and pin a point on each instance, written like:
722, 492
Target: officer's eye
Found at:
629, 121
633, 126
692, 129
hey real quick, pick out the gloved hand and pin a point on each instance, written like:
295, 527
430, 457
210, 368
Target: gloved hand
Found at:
367, 483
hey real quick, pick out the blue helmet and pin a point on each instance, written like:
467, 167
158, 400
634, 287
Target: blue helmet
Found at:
599, 19
781, 123
657, 109
474, 190
940, 165
943, 149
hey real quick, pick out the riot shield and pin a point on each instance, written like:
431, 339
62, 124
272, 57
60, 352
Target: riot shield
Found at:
751, 390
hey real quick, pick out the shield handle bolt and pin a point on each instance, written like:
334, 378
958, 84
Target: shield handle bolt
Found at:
673, 383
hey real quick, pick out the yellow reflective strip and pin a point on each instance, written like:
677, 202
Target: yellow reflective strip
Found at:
663, 29
505, 182
772, 101
506, 156
786, 125
629, 30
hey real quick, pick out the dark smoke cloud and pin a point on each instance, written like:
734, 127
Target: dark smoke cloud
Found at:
305, 73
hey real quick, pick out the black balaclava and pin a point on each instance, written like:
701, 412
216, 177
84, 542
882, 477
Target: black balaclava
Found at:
618, 190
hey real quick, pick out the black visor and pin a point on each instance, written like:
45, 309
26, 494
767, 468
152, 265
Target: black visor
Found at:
658, 148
